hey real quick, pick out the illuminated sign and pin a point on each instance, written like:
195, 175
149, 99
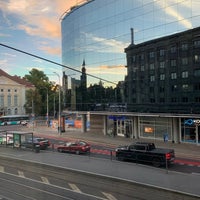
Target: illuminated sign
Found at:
190, 122
148, 130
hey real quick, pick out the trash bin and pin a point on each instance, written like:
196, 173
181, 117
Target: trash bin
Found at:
37, 148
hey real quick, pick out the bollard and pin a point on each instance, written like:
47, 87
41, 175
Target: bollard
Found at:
111, 155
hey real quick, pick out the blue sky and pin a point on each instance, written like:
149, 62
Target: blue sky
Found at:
32, 26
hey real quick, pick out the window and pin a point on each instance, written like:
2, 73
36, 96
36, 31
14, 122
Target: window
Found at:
184, 61
151, 89
162, 52
197, 43
9, 100
173, 75
184, 47
196, 58
1, 90
197, 86
197, 99
152, 66
142, 68
162, 89
173, 63
15, 90
174, 88
162, 77
2, 100
142, 57
15, 100
9, 111
133, 59
9, 90
173, 49
162, 64
152, 78
185, 86
185, 74
151, 54
197, 72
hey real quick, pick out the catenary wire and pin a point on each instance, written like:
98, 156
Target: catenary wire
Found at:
53, 62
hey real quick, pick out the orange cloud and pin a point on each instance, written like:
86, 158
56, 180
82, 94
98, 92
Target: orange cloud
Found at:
51, 50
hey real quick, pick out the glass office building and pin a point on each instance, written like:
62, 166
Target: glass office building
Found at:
97, 31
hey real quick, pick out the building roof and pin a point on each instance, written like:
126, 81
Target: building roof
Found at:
17, 79
165, 38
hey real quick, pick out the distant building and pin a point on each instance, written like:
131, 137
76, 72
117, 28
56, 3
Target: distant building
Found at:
163, 75
13, 94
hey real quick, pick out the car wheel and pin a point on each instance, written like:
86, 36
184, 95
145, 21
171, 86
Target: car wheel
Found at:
120, 158
77, 152
60, 150
156, 162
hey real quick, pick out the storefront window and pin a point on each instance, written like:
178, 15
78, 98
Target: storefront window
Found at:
155, 127
190, 130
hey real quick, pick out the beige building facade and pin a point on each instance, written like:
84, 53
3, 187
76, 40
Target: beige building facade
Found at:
13, 94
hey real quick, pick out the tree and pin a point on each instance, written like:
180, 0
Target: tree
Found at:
38, 97
33, 99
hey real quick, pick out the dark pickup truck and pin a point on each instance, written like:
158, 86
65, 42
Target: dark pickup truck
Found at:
146, 152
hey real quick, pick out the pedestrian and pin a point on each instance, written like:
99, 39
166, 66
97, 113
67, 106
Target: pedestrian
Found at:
165, 137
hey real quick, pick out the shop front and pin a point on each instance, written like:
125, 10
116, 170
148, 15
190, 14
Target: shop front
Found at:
159, 128
190, 130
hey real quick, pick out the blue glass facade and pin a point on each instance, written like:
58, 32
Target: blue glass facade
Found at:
99, 30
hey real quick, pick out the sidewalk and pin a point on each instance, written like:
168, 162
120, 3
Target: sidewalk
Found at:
189, 151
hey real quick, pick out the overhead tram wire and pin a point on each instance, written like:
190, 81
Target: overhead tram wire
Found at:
52, 62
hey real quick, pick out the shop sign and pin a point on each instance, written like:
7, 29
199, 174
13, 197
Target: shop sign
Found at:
116, 117
190, 122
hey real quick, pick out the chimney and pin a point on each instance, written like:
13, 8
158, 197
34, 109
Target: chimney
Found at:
132, 36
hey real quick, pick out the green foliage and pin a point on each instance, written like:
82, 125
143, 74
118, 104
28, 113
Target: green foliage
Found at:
36, 100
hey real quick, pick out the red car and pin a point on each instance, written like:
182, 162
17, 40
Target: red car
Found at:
75, 147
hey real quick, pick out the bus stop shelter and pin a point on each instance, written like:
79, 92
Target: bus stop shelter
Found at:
19, 137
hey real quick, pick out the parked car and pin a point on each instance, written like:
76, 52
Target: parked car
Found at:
77, 147
146, 152
33, 143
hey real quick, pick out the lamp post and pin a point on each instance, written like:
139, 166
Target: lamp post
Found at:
59, 112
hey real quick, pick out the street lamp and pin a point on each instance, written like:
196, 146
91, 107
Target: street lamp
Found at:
59, 112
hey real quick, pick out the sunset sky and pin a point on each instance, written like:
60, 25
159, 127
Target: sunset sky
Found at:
32, 26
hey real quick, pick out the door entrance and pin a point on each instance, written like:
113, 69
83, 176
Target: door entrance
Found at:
124, 127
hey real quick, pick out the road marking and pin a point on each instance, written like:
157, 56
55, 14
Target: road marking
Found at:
74, 187
109, 196
21, 174
45, 180
198, 174
1, 169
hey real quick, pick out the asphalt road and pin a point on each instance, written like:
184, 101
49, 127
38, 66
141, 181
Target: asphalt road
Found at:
22, 180
100, 151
